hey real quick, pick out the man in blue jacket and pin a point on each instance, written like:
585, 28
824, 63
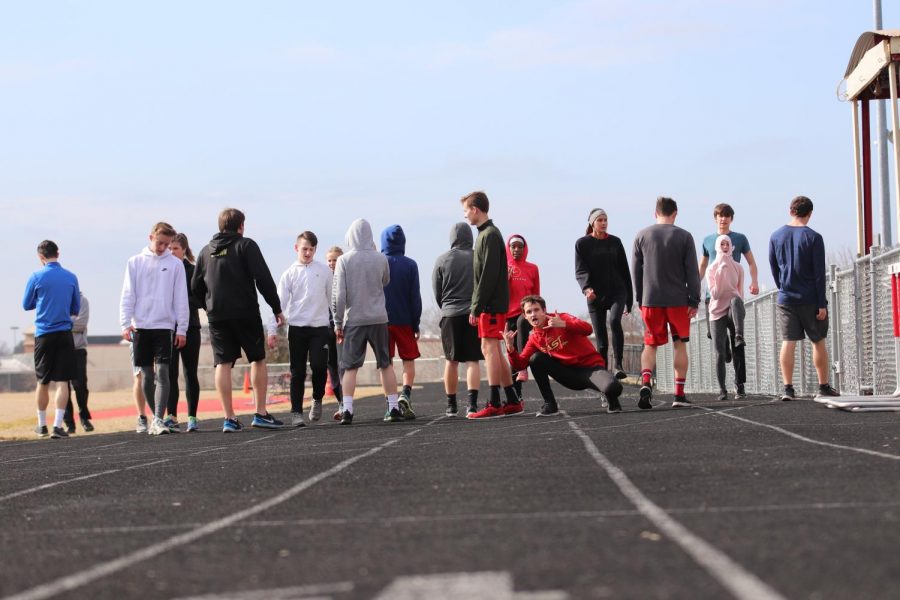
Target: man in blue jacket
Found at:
403, 301
53, 293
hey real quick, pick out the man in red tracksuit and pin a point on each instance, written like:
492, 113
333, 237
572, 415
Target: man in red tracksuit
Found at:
524, 280
558, 347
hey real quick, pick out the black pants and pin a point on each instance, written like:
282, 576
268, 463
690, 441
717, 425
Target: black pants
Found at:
738, 357
543, 366
615, 307
307, 343
522, 328
334, 369
81, 389
190, 358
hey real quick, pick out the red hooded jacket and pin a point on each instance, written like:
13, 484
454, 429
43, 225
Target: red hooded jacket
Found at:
569, 345
524, 278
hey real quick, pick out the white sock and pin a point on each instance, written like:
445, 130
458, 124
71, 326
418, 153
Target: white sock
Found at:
392, 401
60, 413
348, 404
42, 418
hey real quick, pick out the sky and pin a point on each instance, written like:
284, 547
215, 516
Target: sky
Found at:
307, 115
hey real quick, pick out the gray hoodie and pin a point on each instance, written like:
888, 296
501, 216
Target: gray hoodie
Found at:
454, 275
357, 295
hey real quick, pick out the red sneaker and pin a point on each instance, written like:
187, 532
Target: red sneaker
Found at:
513, 408
488, 412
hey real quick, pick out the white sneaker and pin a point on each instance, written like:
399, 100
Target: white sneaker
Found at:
141, 426
315, 411
157, 427
297, 420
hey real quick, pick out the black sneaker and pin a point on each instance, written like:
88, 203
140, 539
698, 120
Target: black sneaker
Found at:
452, 408
620, 374
644, 398
788, 394
681, 401
266, 421
548, 409
723, 395
87, 425
393, 415
614, 405
41, 431
70, 427
827, 390
740, 392
346, 418
58, 433
473, 408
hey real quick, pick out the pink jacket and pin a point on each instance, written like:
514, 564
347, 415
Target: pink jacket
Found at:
725, 279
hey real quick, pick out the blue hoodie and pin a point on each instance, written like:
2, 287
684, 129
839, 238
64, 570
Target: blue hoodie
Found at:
402, 295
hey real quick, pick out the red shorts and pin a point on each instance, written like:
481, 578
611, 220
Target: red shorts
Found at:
659, 319
402, 340
491, 325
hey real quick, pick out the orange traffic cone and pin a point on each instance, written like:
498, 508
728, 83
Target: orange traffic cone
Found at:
329, 391
246, 382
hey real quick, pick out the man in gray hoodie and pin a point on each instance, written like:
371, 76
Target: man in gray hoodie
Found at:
360, 316
453, 279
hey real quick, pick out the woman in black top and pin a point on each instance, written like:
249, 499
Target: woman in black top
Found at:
190, 352
601, 269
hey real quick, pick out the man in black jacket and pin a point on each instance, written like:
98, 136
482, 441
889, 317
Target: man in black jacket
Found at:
229, 271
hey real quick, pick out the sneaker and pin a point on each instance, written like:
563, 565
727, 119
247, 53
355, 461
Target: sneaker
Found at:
41, 431
87, 425
681, 401
788, 394
452, 409
723, 395
740, 392
473, 408
614, 406
548, 409
827, 390
739, 341
70, 427
141, 426
346, 418
522, 375
315, 411
339, 412
604, 401
513, 408
488, 412
393, 415
193, 424
620, 374
266, 421
644, 397
172, 424
58, 433
158, 427
232, 426
406, 407
297, 419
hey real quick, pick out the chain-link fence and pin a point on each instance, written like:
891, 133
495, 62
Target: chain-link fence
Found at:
861, 346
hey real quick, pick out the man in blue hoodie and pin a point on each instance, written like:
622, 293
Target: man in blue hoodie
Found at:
403, 301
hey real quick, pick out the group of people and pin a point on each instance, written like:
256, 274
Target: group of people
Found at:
488, 295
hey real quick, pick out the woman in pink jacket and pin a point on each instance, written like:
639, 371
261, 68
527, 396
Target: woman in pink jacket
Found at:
725, 279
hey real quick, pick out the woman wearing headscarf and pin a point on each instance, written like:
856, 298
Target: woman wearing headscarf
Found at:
725, 279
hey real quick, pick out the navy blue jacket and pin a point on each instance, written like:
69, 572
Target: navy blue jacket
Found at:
797, 260
402, 296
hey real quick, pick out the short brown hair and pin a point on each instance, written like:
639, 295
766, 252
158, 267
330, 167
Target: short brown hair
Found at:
336, 249
723, 209
666, 206
310, 237
230, 220
163, 228
533, 299
477, 199
48, 249
801, 206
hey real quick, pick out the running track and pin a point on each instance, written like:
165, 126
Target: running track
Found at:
750, 499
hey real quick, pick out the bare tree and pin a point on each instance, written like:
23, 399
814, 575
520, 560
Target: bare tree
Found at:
430, 324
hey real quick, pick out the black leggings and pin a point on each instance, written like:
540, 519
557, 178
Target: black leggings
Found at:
190, 358
543, 366
81, 389
334, 365
307, 343
616, 307
522, 328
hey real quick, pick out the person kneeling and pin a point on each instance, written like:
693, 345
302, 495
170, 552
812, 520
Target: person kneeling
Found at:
558, 347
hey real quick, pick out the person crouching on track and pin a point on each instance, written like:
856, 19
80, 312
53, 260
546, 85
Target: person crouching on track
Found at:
558, 347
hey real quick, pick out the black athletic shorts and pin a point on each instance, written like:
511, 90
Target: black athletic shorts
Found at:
54, 357
460, 339
795, 320
230, 336
152, 346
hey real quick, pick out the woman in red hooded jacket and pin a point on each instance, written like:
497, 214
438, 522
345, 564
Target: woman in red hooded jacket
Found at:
524, 280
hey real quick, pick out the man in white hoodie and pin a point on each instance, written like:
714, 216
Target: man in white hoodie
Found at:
154, 299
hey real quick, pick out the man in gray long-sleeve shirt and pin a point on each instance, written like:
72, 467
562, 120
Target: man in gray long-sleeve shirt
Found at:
453, 280
667, 288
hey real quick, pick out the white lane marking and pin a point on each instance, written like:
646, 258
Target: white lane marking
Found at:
72, 582
487, 585
732, 576
57, 454
259, 439
803, 438
286, 593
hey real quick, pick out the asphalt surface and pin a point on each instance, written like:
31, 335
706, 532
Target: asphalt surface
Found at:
742, 499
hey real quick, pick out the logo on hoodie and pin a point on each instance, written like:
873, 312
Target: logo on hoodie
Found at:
220, 253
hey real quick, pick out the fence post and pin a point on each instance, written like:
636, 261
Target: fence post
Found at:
756, 369
858, 322
836, 343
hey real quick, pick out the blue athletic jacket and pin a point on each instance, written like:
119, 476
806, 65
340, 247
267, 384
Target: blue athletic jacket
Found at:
402, 295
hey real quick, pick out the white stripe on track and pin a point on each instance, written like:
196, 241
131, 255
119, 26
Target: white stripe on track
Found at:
732, 576
802, 438
98, 571
57, 454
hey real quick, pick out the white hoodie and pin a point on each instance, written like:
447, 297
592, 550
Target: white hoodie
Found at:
305, 294
154, 294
